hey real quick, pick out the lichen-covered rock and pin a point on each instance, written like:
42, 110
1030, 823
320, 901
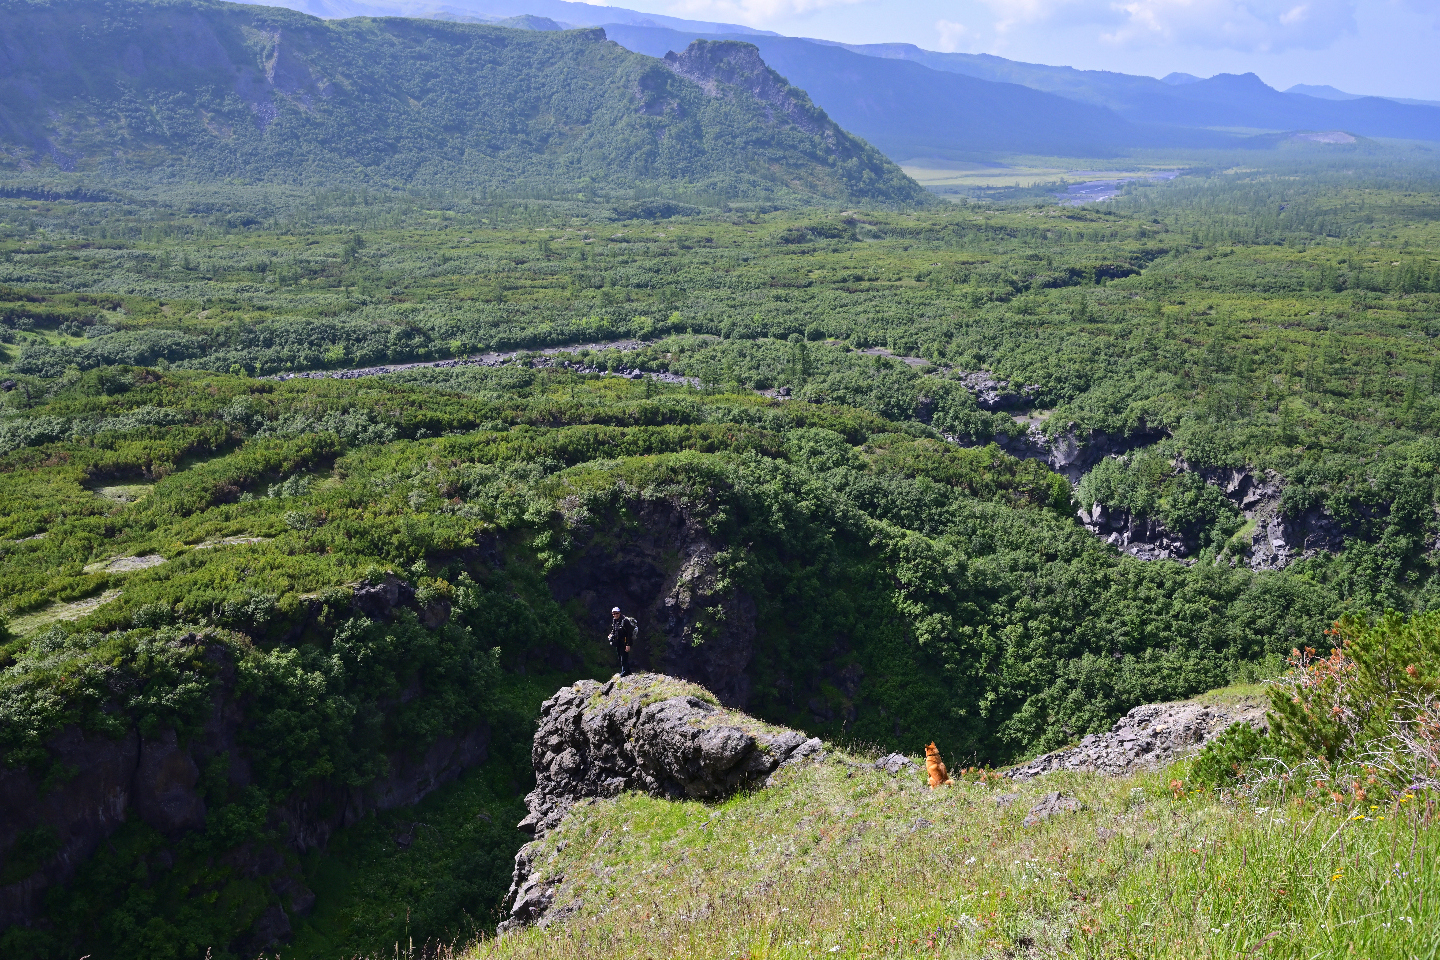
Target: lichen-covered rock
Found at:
1146, 738
893, 763
1051, 804
647, 732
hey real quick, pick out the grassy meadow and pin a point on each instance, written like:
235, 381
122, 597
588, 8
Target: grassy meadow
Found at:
843, 860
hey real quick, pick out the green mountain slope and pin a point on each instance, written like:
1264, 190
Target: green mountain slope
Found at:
205, 91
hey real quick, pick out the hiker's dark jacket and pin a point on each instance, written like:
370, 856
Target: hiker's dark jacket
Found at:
622, 632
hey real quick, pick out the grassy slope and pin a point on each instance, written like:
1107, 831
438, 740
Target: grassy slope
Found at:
842, 860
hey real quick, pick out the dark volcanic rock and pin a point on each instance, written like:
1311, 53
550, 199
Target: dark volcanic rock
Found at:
1143, 537
893, 763
1146, 738
649, 733
992, 394
1277, 541
1074, 452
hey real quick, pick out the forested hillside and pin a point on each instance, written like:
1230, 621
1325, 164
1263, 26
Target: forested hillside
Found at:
990, 474
208, 92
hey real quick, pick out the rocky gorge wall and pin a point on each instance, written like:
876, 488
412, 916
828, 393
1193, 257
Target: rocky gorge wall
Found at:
1276, 540
52, 822
659, 565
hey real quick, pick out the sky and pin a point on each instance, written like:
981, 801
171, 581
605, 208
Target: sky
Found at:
1383, 47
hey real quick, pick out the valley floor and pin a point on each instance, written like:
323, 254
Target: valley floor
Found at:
841, 859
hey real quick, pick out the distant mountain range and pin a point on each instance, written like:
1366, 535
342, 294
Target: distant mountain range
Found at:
204, 90
909, 110
923, 109
1226, 101
914, 103
1327, 92
565, 13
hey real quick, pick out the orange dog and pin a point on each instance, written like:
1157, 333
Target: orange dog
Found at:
935, 767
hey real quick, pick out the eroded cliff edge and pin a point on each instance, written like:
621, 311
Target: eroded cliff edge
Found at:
645, 732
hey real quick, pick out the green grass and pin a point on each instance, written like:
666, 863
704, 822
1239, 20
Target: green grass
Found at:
55, 612
838, 860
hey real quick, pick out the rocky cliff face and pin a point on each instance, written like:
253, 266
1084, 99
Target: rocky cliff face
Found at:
156, 778
720, 64
993, 394
1144, 537
1276, 541
663, 571
1071, 453
1146, 738
648, 733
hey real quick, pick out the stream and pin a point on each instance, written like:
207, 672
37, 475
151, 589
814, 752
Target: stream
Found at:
1095, 191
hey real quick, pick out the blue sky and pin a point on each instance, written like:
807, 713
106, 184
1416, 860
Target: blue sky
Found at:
1388, 47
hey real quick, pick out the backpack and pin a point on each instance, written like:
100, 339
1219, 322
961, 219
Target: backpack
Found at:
634, 629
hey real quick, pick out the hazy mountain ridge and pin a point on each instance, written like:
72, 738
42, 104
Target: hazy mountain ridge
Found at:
877, 105
1224, 100
908, 110
203, 90
492, 11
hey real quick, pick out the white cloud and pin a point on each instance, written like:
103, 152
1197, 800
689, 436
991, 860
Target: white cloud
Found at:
1252, 25
952, 35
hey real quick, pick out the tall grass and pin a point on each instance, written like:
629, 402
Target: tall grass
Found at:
842, 860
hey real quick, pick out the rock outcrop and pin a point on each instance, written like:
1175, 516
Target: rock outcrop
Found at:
1146, 738
994, 394
1144, 537
1276, 541
1073, 452
1051, 805
719, 64
648, 733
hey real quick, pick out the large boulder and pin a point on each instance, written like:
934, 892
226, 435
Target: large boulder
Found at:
650, 733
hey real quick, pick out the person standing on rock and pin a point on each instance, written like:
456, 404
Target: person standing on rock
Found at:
622, 634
